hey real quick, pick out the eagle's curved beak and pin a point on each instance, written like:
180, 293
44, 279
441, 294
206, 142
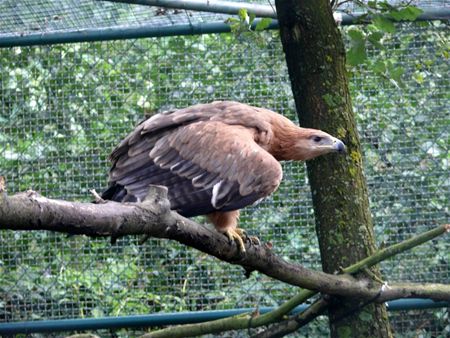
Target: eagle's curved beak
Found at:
339, 146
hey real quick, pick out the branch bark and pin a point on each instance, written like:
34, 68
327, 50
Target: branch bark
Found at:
245, 321
153, 217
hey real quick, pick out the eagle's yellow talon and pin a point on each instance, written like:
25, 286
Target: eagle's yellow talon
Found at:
253, 239
236, 235
239, 235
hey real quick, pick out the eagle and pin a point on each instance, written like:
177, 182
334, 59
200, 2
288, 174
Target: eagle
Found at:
214, 158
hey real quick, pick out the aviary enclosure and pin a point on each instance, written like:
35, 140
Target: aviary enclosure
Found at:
77, 76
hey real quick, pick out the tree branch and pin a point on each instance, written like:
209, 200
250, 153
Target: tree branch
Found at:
249, 320
295, 322
385, 292
153, 217
434, 291
397, 290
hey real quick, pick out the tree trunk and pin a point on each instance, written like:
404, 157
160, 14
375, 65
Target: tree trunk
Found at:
315, 56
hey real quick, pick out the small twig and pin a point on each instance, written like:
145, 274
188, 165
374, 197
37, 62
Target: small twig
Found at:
98, 198
373, 276
2, 184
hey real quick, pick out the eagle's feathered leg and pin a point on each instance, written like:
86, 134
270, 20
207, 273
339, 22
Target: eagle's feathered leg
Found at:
226, 222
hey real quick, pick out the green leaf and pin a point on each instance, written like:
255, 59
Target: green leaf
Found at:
379, 66
355, 34
263, 24
375, 38
243, 15
357, 52
384, 24
419, 77
252, 18
395, 75
356, 55
384, 6
372, 4
409, 13
397, 72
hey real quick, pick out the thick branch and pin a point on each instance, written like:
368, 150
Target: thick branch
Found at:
153, 217
31, 211
395, 291
386, 292
433, 291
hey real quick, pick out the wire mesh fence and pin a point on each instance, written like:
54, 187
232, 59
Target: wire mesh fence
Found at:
18, 18
63, 108
22, 18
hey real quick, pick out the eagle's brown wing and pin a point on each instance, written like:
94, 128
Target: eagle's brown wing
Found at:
206, 165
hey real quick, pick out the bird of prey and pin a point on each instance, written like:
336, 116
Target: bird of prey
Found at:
214, 158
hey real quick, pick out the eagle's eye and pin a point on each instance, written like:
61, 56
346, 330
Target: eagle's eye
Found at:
317, 139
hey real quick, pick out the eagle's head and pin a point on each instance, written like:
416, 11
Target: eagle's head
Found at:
311, 143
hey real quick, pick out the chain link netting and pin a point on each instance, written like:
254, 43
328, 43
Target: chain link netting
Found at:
21, 18
25, 17
63, 108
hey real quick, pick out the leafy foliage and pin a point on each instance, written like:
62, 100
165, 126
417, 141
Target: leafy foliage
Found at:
382, 17
246, 25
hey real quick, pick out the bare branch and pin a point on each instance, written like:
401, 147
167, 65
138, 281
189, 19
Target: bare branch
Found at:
295, 322
153, 217
384, 293
244, 321
397, 290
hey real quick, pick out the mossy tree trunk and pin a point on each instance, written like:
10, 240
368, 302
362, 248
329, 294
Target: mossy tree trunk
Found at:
315, 56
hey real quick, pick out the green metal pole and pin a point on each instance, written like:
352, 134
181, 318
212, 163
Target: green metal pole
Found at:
104, 34
89, 35
172, 318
